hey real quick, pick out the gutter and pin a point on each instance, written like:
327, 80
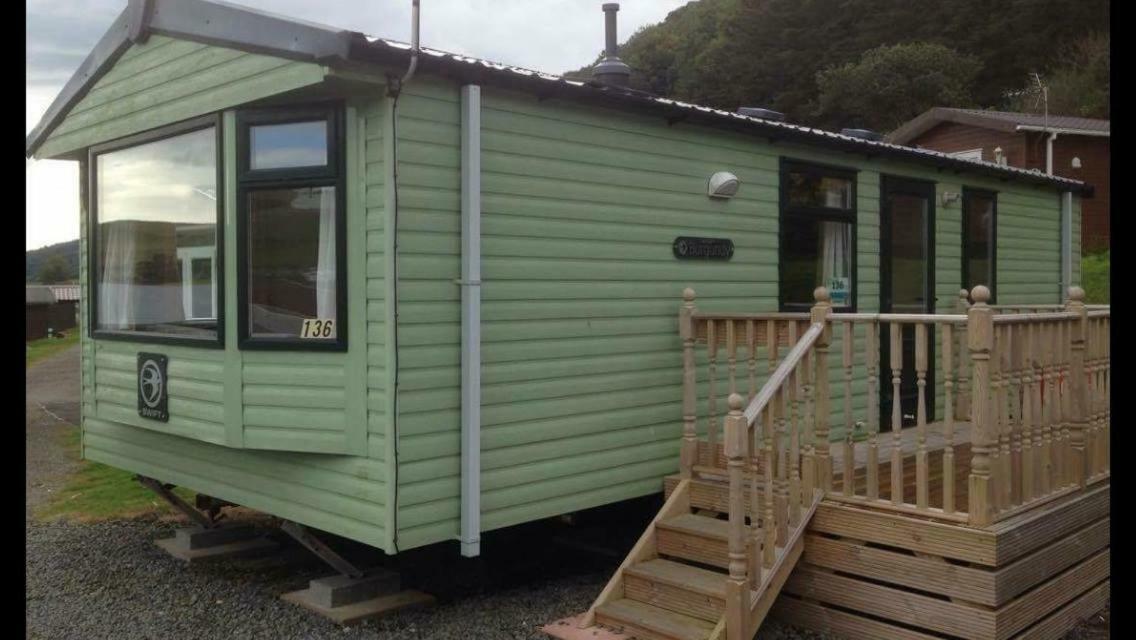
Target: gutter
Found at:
470, 283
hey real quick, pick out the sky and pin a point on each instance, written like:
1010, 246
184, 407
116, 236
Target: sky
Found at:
548, 35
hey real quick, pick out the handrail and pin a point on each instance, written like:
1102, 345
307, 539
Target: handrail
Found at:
709, 315
781, 373
941, 318
1034, 317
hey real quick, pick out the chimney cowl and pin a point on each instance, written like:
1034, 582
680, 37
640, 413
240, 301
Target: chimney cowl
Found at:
863, 134
762, 113
611, 70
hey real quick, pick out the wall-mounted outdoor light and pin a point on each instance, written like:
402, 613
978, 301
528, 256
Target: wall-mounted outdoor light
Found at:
1076, 162
722, 185
948, 197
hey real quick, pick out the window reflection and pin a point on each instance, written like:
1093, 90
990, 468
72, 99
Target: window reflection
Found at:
156, 209
281, 146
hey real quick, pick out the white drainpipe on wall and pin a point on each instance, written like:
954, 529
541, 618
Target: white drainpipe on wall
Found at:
1049, 152
470, 282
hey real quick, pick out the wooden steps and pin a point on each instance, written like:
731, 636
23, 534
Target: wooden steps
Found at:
681, 588
696, 538
674, 584
649, 622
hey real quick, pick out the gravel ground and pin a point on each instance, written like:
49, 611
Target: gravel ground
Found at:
108, 580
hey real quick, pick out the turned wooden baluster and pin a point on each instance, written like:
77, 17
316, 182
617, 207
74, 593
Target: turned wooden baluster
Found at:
711, 396
732, 357
781, 446
769, 520
737, 585
963, 382
1106, 328
751, 359
1029, 431
948, 419
1054, 401
756, 503
922, 480
1005, 426
1042, 462
872, 356
794, 444
808, 465
848, 342
980, 330
896, 356
1017, 465
821, 312
688, 455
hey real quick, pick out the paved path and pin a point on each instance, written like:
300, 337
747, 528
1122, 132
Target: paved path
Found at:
51, 407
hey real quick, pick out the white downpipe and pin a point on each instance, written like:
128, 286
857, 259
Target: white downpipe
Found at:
470, 321
1066, 244
1049, 153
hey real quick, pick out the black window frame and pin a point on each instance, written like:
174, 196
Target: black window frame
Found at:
333, 174
967, 194
154, 135
805, 212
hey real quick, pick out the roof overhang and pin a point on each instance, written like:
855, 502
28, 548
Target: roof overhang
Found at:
222, 24
1064, 132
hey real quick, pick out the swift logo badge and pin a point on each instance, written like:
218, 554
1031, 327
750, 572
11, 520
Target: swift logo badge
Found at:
153, 394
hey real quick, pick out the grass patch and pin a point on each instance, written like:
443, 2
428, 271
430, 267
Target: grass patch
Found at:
40, 349
1094, 277
98, 492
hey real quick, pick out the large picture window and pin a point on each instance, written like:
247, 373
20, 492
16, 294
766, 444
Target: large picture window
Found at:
818, 235
291, 218
155, 257
979, 244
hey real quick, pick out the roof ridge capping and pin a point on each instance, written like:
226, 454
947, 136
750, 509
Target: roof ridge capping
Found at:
224, 24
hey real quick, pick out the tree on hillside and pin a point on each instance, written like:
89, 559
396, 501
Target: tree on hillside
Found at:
1078, 84
731, 53
892, 84
54, 270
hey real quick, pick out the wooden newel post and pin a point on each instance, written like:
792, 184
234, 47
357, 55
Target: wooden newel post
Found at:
980, 330
822, 312
689, 452
737, 587
1078, 385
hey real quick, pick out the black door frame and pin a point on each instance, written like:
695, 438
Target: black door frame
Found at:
925, 189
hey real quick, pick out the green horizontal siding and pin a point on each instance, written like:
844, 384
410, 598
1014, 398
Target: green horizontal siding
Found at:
166, 80
288, 433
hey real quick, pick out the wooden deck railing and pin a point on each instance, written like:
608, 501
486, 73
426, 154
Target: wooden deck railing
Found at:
1023, 394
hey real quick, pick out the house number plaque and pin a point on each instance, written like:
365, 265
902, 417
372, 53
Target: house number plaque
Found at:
688, 248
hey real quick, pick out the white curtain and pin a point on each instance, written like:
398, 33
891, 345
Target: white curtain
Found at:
325, 267
116, 284
835, 253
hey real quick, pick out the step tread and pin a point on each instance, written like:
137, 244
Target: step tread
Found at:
656, 619
698, 525
681, 575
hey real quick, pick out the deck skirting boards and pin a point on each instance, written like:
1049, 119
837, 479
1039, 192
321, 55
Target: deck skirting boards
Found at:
874, 575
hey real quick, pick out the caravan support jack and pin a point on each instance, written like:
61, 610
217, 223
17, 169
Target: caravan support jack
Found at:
209, 538
354, 594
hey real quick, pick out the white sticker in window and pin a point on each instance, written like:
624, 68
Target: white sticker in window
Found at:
318, 328
838, 290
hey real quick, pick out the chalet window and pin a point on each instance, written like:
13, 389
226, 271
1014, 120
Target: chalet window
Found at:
292, 275
818, 235
155, 252
979, 245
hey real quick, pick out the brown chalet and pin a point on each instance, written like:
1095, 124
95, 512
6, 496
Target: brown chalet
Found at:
1067, 146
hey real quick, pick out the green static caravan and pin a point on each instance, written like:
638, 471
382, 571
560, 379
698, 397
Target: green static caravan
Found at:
408, 310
